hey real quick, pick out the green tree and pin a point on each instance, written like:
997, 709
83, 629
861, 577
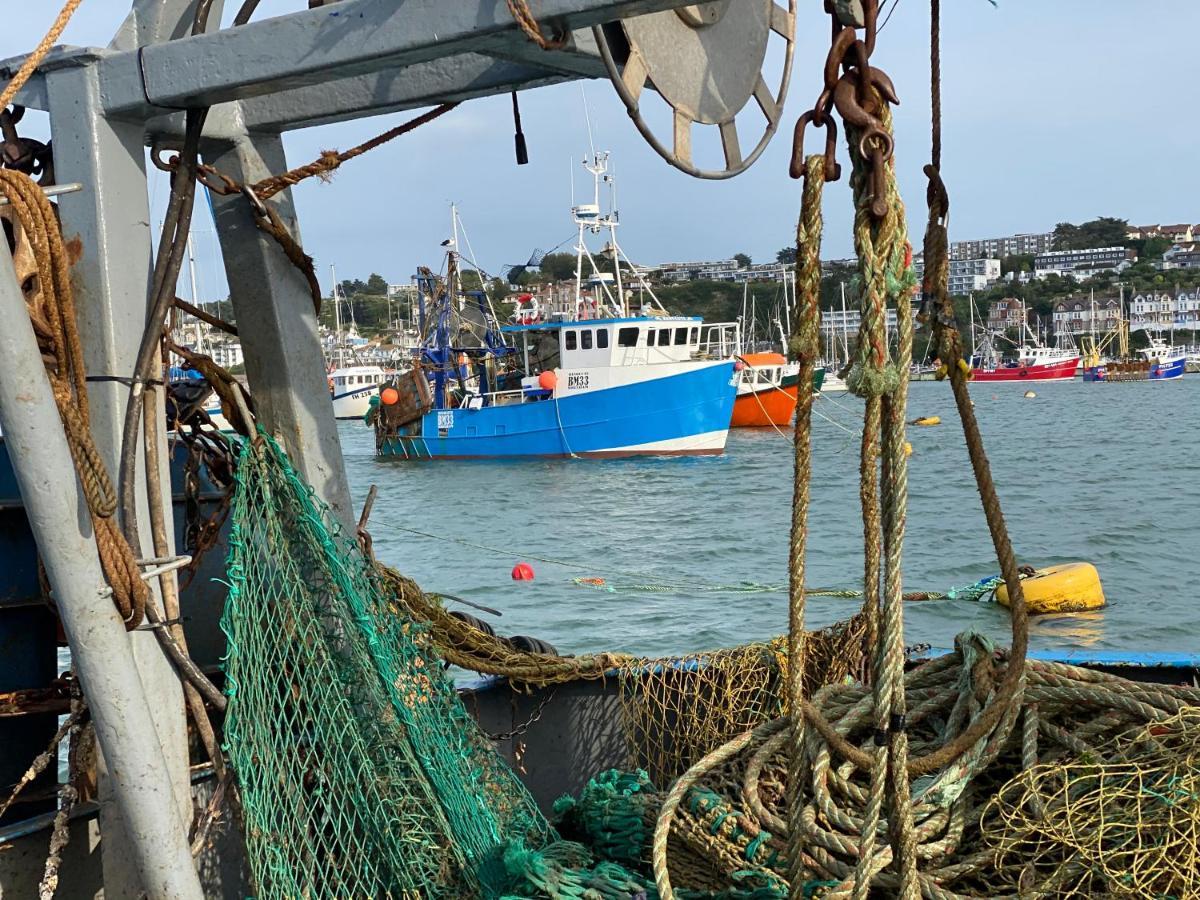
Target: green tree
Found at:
376, 285
742, 259
498, 288
1149, 248
1017, 262
558, 266
1105, 231
786, 255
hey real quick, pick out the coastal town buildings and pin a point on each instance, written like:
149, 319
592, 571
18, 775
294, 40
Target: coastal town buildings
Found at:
1081, 264
1081, 315
998, 248
966, 275
1006, 313
1163, 311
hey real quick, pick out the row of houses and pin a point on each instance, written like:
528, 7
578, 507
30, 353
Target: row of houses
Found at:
1080, 315
728, 270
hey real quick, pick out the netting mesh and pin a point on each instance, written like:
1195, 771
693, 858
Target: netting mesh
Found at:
361, 773
673, 709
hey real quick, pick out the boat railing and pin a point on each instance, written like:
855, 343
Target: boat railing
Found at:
720, 340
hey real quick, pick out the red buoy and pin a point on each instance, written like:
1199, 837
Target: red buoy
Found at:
390, 396
547, 381
522, 571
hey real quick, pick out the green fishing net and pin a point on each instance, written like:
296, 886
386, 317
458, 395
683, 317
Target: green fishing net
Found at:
360, 771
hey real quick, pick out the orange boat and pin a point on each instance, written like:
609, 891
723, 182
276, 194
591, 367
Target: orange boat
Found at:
768, 390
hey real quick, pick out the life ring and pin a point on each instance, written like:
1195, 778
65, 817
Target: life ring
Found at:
531, 315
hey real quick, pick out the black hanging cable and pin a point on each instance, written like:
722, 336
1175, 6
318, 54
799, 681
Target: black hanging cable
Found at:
522, 150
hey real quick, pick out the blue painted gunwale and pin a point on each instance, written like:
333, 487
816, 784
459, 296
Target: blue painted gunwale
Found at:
597, 422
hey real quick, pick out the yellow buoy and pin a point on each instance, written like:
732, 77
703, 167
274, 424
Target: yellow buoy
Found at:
927, 420
1030, 395
907, 449
1069, 587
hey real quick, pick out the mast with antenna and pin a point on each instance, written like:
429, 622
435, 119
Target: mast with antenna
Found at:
337, 319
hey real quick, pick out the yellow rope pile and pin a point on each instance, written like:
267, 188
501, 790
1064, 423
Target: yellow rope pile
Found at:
1127, 817
1045, 805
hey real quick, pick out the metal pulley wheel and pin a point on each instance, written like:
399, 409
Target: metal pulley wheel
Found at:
705, 61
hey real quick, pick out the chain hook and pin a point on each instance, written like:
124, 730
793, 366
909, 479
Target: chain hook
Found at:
833, 171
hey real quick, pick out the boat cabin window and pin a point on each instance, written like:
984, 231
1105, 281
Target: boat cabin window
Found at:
695, 336
627, 337
570, 340
664, 337
681, 336
649, 337
602, 338
585, 339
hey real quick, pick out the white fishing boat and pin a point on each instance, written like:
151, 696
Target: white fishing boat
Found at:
352, 383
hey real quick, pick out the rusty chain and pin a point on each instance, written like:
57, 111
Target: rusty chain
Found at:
24, 154
856, 90
524, 727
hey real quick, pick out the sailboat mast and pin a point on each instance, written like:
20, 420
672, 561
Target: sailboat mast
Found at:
613, 216
844, 329
787, 304
337, 317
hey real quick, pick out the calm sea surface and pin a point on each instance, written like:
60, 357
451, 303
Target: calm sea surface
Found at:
694, 550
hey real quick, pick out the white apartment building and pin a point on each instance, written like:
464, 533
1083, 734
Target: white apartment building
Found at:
227, 353
1081, 264
1001, 247
844, 323
966, 275
710, 270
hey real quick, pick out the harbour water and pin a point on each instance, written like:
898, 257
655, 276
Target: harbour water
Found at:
693, 551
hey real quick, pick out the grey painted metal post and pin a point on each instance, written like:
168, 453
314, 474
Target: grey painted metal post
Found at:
101, 649
111, 219
277, 324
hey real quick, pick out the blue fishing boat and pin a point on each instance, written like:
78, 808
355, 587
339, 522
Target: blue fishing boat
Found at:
597, 369
641, 385
1160, 362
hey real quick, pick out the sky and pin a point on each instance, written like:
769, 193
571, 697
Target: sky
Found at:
1052, 112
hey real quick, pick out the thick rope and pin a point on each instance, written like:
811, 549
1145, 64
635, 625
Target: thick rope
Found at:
34, 59
805, 347
52, 314
329, 160
524, 17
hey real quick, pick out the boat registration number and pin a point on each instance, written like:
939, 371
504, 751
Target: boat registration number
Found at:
577, 381
445, 419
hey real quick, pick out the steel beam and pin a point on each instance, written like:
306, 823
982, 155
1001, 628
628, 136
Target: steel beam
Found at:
277, 324
109, 222
317, 46
156, 21
449, 80
139, 775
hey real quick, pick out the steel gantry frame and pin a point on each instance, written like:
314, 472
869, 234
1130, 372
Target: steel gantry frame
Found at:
340, 61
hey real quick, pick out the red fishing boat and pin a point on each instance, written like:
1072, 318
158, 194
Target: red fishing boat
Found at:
1027, 369
1031, 360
